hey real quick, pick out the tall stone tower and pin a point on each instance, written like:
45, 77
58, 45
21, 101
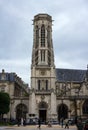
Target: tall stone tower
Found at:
42, 98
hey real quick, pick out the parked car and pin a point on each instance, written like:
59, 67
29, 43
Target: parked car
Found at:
71, 121
30, 121
54, 122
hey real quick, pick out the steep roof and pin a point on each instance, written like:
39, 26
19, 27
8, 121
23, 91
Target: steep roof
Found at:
12, 77
8, 77
66, 75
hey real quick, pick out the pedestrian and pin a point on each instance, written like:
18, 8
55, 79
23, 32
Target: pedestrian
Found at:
18, 121
66, 123
39, 123
79, 124
62, 121
24, 121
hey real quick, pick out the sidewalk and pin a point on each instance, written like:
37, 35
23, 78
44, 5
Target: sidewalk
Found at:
36, 126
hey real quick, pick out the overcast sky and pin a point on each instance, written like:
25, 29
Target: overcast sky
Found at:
70, 33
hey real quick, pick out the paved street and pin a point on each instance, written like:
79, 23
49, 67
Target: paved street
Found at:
43, 127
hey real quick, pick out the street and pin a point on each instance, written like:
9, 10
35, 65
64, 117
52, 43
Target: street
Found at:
35, 127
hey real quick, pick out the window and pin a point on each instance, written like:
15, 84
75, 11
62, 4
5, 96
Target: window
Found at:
38, 84
43, 36
42, 55
46, 84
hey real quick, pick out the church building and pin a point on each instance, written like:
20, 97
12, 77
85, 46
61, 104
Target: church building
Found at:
54, 93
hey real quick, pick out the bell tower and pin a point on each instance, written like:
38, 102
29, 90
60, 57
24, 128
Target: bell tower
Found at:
42, 54
43, 75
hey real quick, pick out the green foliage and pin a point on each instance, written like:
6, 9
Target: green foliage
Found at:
4, 103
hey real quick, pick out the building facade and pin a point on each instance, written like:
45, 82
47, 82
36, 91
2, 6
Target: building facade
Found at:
54, 93
19, 94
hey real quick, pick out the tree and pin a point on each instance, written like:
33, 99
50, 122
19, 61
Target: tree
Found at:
4, 103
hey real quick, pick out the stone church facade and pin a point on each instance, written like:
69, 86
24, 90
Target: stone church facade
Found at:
54, 93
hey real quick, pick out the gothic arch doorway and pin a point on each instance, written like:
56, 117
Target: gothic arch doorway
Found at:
62, 111
21, 111
85, 107
43, 111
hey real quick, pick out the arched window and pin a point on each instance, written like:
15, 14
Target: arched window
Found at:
43, 36
21, 111
85, 107
62, 111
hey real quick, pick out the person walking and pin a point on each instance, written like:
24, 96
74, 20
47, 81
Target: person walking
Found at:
62, 120
39, 123
66, 123
18, 121
79, 124
22, 121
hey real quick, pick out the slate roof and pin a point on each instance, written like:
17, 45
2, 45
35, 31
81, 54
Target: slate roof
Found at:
8, 77
70, 75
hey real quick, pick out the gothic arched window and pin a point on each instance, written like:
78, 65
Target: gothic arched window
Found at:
62, 111
21, 110
43, 36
